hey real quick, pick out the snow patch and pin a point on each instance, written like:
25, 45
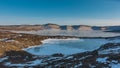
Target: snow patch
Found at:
61, 40
2, 59
8, 40
110, 51
31, 63
102, 60
115, 65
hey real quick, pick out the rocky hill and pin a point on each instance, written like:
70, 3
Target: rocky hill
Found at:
17, 41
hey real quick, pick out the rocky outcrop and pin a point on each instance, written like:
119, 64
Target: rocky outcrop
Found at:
110, 48
85, 28
69, 28
99, 28
76, 27
66, 27
51, 26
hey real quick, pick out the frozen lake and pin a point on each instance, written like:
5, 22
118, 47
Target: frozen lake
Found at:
67, 46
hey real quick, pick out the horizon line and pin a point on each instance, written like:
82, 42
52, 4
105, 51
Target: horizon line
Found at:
54, 24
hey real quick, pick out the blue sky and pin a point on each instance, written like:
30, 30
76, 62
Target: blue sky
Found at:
69, 12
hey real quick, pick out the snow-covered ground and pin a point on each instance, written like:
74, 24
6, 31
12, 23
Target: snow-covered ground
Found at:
102, 60
31, 63
2, 59
71, 33
115, 65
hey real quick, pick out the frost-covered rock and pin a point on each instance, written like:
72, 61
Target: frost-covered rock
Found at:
110, 48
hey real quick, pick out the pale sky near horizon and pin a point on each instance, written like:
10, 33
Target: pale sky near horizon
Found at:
63, 12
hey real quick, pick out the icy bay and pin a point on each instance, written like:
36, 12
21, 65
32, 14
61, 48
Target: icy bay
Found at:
67, 46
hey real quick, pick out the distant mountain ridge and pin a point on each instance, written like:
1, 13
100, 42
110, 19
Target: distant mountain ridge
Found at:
51, 26
71, 27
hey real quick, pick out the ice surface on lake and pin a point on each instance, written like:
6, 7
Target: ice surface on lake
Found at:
67, 46
54, 46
